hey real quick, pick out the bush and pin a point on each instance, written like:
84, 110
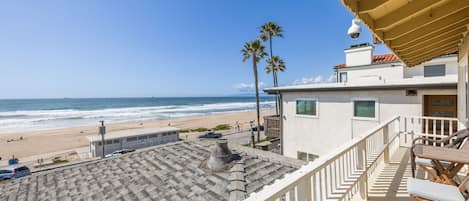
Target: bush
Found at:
200, 129
59, 160
222, 127
184, 131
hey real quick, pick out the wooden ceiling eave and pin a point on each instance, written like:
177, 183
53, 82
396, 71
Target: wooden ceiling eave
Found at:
430, 32
430, 28
432, 53
454, 40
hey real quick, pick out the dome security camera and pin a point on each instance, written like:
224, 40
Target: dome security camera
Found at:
355, 30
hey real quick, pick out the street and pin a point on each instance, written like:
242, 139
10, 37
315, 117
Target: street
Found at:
241, 138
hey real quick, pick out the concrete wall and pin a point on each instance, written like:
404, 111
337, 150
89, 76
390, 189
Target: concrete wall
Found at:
335, 124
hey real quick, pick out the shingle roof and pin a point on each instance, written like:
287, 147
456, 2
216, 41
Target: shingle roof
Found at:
377, 59
167, 172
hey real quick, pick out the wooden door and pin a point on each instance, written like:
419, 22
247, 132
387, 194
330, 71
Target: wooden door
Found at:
440, 106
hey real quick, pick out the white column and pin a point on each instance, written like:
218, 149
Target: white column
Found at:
462, 93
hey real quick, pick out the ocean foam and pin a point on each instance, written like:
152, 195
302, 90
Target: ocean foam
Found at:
14, 121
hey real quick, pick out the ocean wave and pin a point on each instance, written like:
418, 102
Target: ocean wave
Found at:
34, 119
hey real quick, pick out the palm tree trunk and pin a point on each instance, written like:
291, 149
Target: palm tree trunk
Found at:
274, 76
257, 99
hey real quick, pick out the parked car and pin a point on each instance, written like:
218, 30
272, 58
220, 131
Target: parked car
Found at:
255, 128
210, 135
14, 171
120, 152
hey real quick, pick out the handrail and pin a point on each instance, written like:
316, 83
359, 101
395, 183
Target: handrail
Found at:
308, 173
433, 118
424, 126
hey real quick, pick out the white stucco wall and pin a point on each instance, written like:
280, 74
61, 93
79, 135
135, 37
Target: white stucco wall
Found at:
450, 62
359, 56
334, 124
374, 74
392, 72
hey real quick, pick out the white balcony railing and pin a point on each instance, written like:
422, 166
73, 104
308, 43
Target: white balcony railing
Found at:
431, 127
344, 173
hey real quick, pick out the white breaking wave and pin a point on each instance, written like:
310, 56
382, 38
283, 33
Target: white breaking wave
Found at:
14, 121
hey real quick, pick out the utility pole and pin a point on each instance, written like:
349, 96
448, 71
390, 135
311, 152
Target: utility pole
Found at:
102, 131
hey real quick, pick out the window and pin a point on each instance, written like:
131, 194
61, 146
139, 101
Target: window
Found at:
306, 107
312, 157
364, 108
306, 156
302, 156
116, 141
5, 171
142, 137
434, 70
153, 136
129, 139
343, 77
108, 141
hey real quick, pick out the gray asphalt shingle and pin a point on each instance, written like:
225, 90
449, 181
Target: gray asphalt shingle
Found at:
166, 172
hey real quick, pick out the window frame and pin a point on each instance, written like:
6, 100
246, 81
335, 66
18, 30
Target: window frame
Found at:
435, 65
340, 77
376, 118
309, 157
305, 115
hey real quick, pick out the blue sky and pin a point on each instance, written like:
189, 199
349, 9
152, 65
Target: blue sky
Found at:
120, 48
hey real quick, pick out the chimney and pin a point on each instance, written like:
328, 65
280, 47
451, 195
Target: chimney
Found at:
220, 156
358, 55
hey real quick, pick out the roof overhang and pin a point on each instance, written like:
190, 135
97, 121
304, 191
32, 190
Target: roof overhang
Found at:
416, 31
344, 87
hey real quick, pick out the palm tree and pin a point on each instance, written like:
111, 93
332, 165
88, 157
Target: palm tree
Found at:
275, 64
256, 51
268, 31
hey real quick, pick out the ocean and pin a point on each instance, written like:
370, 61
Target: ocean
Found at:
39, 114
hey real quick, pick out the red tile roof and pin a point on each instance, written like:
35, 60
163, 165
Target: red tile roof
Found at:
378, 59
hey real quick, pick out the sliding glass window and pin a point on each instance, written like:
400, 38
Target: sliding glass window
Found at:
364, 108
306, 107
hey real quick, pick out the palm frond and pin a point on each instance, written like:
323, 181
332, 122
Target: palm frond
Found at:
251, 48
270, 29
275, 64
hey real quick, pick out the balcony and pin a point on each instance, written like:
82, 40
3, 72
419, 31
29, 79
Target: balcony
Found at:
374, 166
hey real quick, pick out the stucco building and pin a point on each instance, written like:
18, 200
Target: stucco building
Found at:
370, 89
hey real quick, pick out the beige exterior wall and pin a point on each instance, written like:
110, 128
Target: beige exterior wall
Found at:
335, 123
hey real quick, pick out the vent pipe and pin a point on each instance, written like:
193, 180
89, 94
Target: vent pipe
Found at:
220, 156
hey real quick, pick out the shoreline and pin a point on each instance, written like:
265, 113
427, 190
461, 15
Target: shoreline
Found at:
126, 122
59, 139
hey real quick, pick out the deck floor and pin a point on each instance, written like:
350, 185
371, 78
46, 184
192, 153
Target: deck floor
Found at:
389, 183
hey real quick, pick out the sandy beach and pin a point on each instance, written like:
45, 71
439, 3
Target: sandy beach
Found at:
55, 140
